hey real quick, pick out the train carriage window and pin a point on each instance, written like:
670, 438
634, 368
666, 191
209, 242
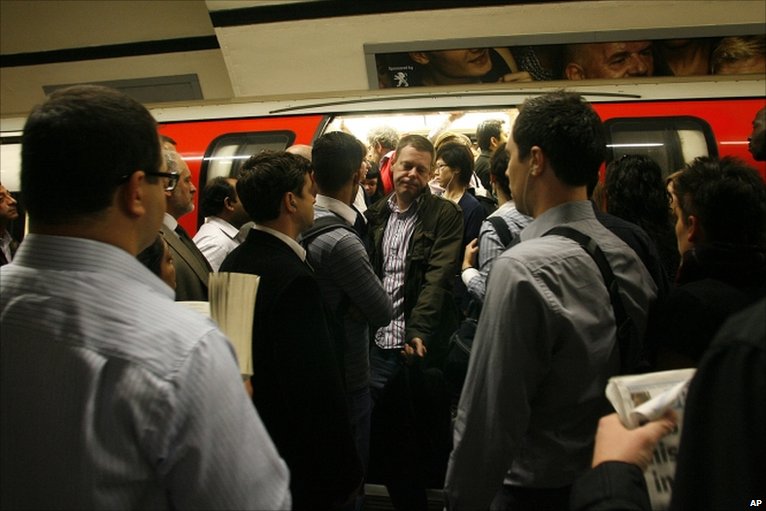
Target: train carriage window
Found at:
226, 154
670, 141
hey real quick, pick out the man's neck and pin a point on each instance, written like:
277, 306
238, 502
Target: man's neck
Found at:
283, 225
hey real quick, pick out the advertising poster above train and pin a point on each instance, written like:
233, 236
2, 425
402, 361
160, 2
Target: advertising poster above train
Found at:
602, 60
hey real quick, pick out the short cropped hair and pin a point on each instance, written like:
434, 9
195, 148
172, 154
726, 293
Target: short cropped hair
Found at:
568, 131
486, 130
79, 146
214, 195
265, 179
459, 157
386, 136
418, 142
498, 164
336, 157
728, 198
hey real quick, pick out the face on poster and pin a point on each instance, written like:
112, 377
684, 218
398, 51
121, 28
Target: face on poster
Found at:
581, 61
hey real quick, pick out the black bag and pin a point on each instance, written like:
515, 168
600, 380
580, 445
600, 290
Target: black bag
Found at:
461, 341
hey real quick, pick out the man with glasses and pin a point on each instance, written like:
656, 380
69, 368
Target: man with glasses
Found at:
112, 395
192, 268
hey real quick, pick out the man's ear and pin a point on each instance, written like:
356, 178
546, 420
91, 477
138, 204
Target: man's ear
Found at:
227, 204
288, 201
694, 232
131, 195
420, 57
536, 160
574, 72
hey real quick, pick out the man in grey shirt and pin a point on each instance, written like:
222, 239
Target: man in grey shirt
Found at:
114, 396
546, 340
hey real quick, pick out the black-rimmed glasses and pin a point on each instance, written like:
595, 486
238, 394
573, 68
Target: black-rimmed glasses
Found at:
172, 178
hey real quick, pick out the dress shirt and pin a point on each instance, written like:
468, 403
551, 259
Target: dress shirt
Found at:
490, 246
396, 240
343, 269
215, 239
115, 397
544, 349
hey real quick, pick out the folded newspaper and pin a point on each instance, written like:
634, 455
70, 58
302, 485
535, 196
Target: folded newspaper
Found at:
232, 303
638, 399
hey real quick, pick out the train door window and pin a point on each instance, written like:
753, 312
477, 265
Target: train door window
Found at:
670, 141
226, 154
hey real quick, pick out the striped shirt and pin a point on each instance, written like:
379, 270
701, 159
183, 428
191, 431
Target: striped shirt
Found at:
490, 246
395, 243
115, 397
343, 269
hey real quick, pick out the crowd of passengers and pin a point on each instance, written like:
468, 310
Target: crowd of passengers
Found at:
429, 315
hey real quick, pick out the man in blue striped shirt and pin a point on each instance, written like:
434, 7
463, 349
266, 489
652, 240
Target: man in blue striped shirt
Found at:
113, 396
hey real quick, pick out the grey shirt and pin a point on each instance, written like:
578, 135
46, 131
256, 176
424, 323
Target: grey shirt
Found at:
543, 352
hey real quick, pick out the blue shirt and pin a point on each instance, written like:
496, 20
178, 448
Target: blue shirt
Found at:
115, 397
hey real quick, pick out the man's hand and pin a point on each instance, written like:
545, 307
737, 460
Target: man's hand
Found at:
414, 348
616, 443
469, 257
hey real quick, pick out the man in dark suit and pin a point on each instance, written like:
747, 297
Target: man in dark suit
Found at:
296, 378
192, 268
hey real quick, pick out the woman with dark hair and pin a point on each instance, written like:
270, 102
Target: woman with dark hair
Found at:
159, 260
635, 191
454, 168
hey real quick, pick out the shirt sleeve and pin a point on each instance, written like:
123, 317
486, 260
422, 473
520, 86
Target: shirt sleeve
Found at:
218, 452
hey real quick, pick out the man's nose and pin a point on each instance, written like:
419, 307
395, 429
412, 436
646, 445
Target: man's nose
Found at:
638, 65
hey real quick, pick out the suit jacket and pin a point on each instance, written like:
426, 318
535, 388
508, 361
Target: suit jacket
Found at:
192, 269
296, 380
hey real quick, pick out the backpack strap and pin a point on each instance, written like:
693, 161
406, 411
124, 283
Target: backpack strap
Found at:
629, 352
501, 228
322, 225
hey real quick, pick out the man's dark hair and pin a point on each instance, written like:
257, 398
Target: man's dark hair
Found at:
568, 131
498, 164
459, 158
336, 157
486, 130
214, 195
727, 197
265, 179
79, 146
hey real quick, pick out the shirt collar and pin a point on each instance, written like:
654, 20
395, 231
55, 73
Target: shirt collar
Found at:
344, 211
294, 245
565, 213
170, 222
85, 255
228, 229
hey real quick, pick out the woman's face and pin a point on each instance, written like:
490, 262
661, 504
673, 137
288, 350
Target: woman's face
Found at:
167, 269
444, 174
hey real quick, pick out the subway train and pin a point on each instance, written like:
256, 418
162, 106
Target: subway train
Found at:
671, 120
